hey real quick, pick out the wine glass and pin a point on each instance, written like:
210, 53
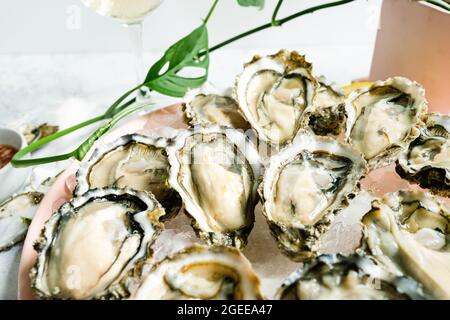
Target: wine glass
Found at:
130, 13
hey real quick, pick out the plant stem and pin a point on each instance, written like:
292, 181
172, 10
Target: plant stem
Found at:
275, 23
313, 9
117, 111
111, 110
120, 108
18, 163
17, 160
79, 152
211, 11
280, 22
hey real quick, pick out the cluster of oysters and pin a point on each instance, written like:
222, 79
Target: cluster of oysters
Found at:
289, 140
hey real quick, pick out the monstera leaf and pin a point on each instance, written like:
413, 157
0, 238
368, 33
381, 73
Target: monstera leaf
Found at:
189, 52
252, 3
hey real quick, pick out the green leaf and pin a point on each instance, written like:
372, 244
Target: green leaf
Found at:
80, 152
252, 3
162, 76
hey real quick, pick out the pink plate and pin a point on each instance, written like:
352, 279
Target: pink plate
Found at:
61, 191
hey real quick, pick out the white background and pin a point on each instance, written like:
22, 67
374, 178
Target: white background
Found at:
49, 26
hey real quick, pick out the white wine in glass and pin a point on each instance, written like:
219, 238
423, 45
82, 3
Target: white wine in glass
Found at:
130, 13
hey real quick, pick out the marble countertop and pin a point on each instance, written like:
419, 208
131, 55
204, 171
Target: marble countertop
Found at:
66, 89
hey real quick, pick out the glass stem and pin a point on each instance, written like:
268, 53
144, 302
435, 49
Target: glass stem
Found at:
135, 35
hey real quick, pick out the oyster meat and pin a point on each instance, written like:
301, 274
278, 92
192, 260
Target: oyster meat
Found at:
273, 93
134, 162
305, 185
34, 133
408, 232
384, 118
427, 160
214, 169
15, 214
327, 116
356, 277
201, 272
95, 244
205, 107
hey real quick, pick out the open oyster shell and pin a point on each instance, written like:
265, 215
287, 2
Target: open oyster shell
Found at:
96, 243
427, 160
408, 232
201, 272
305, 185
33, 133
384, 118
273, 93
356, 277
328, 115
15, 213
214, 169
131, 162
207, 106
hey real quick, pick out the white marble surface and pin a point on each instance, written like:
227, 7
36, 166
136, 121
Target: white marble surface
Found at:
66, 89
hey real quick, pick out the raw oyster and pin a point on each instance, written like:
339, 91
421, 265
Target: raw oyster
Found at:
305, 185
15, 214
408, 232
384, 119
206, 106
214, 169
201, 272
34, 133
95, 244
135, 162
356, 277
273, 93
327, 116
427, 160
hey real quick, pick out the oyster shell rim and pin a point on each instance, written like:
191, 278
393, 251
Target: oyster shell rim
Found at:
400, 83
425, 177
201, 248
314, 109
152, 140
376, 205
292, 61
237, 238
364, 263
310, 233
36, 198
117, 289
189, 116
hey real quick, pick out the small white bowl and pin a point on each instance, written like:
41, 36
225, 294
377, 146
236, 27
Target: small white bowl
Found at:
12, 179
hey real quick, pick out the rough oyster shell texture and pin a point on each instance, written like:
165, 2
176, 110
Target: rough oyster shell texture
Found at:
207, 106
214, 169
95, 244
327, 116
201, 272
14, 213
354, 277
131, 162
384, 118
273, 93
304, 186
408, 233
427, 160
